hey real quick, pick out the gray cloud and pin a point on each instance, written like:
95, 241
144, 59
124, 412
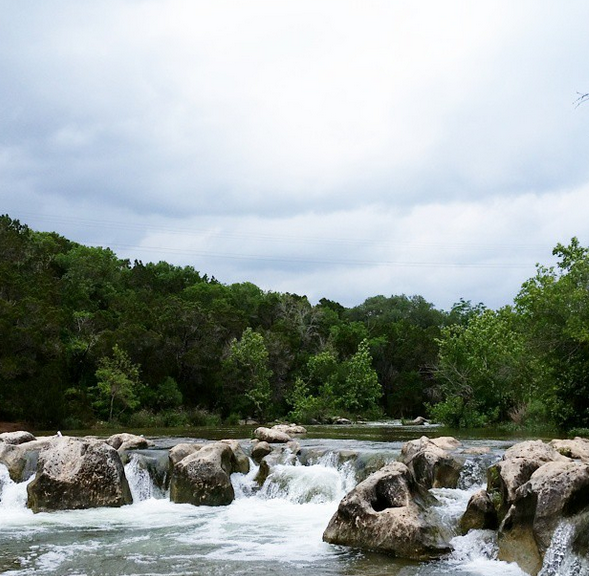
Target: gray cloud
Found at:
309, 146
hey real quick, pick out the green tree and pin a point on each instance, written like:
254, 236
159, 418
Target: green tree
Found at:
248, 363
117, 383
554, 306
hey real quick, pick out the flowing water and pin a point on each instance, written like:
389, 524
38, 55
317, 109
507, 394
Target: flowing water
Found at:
273, 530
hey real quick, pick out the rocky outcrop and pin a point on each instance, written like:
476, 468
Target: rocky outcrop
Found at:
432, 466
386, 513
125, 441
556, 490
203, 478
73, 474
18, 437
271, 436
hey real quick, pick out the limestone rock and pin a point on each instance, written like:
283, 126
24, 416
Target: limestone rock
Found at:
480, 513
73, 474
271, 436
241, 462
18, 437
260, 450
125, 441
385, 513
290, 429
203, 478
431, 466
182, 450
578, 448
555, 490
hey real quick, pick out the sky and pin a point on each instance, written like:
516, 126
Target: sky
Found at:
332, 148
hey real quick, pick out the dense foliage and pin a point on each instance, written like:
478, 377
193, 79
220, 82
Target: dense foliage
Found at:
87, 336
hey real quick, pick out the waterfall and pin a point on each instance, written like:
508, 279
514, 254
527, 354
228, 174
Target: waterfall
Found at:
140, 479
560, 560
13, 495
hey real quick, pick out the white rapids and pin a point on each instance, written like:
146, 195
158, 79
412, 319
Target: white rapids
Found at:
276, 529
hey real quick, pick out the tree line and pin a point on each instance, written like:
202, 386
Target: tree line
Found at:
87, 337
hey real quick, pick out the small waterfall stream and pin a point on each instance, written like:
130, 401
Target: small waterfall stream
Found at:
275, 528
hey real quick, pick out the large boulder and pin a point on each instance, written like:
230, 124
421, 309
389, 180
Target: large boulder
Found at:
18, 437
555, 490
386, 513
431, 465
271, 436
515, 468
73, 474
181, 451
203, 478
240, 462
260, 450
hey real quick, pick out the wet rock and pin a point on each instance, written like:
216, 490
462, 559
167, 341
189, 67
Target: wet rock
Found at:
241, 462
74, 474
480, 513
431, 466
260, 450
386, 513
182, 450
203, 478
125, 441
271, 436
555, 490
263, 473
18, 437
290, 429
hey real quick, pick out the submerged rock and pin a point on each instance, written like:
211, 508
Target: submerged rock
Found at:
386, 513
73, 474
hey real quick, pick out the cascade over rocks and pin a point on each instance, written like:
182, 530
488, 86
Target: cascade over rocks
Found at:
74, 473
431, 465
203, 478
386, 513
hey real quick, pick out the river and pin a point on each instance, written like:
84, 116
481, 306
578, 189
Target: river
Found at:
275, 530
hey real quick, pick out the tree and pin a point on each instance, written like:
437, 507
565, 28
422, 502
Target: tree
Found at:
248, 363
117, 383
554, 306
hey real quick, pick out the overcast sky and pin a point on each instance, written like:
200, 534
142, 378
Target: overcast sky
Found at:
329, 148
